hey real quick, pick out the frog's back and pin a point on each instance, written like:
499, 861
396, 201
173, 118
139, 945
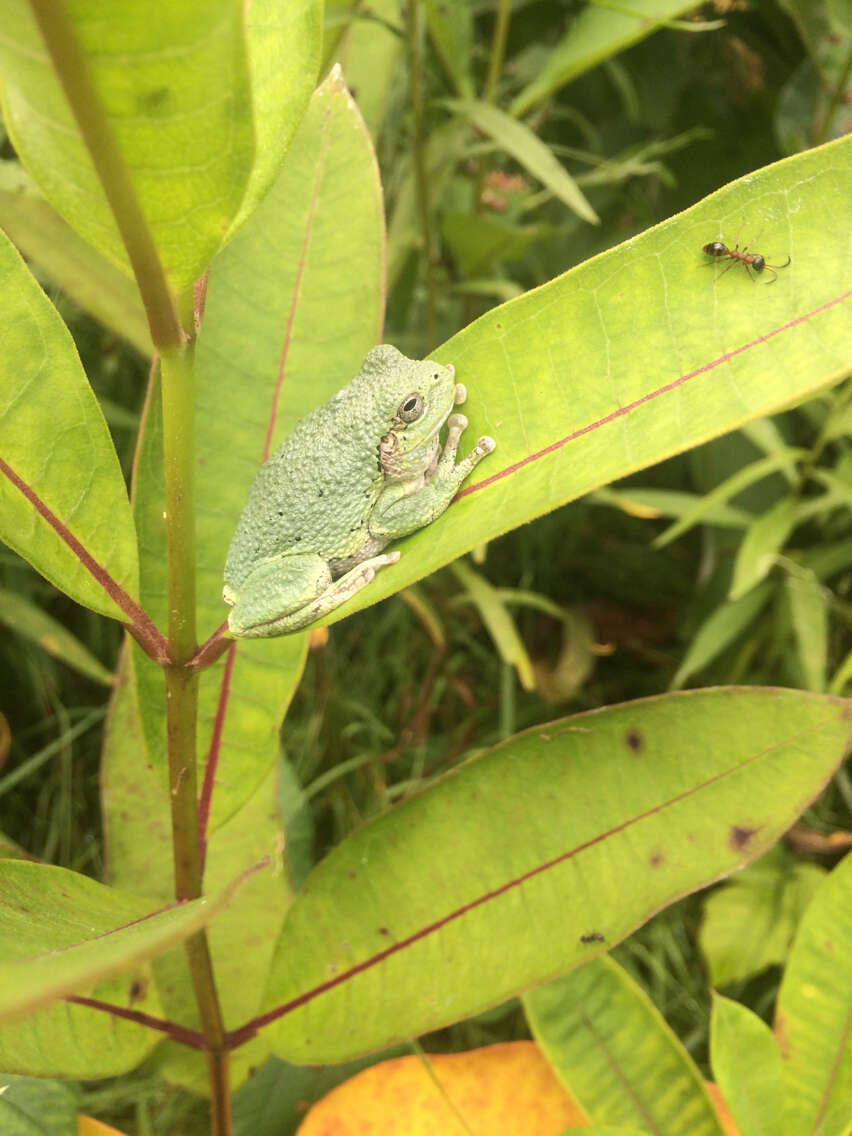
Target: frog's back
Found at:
316, 492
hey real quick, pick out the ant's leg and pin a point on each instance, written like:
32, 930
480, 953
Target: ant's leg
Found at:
728, 269
769, 268
752, 241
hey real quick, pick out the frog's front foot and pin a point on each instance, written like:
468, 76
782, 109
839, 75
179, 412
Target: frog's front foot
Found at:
456, 426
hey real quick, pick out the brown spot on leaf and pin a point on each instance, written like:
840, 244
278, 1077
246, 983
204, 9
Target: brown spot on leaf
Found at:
656, 859
384, 931
740, 836
634, 740
138, 989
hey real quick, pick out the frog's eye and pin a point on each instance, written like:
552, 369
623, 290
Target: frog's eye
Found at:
411, 408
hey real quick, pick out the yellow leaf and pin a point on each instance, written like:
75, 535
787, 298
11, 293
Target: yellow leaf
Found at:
88, 1126
507, 1088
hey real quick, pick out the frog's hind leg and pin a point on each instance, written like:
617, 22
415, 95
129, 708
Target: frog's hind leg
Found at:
274, 588
338, 592
278, 607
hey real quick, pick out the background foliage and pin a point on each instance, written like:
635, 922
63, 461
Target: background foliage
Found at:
727, 564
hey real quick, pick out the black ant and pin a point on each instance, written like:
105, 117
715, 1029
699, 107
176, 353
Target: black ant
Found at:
747, 259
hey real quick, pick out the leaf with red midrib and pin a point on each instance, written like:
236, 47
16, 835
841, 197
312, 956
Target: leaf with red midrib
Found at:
267, 352
536, 856
645, 351
63, 501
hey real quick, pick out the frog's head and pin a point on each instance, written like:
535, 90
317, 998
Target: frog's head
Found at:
414, 399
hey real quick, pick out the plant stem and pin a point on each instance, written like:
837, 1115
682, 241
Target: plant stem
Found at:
495, 66
182, 704
498, 49
421, 173
181, 681
176, 367
69, 60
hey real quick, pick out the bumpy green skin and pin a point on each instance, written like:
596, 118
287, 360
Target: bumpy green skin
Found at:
355, 474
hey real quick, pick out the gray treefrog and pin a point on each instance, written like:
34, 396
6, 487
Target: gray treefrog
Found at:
352, 476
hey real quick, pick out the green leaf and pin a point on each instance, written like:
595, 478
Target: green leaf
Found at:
842, 676
30, 1107
840, 488
706, 506
445, 147
60, 932
826, 29
837, 1120
29, 621
501, 627
644, 352
135, 803
766, 436
493, 879
827, 560
599, 31
451, 31
814, 1005
809, 616
63, 502
750, 920
613, 1051
640, 502
71, 263
747, 1068
176, 94
370, 55
273, 1102
477, 241
761, 545
298, 823
527, 149
71, 1040
284, 44
720, 629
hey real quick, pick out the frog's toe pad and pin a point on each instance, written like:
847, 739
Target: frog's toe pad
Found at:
486, 445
